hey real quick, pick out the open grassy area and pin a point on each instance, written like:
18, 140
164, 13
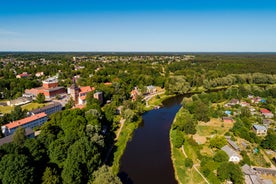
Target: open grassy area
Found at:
5, 109
29, 107
214, 126
32, 106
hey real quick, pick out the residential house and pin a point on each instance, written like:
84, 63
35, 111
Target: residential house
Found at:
260, 130
151, 89
233, 102
227, 119
267, 122
266, 113
22, 75
251, 176
233, 145
29, 122
39, 74
233, 155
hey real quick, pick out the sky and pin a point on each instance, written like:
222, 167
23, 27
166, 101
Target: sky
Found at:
141, 25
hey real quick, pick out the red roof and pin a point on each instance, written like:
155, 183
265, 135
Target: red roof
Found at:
25, 120
264, 111
86, 89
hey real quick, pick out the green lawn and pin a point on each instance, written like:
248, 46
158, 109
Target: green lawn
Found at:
29, 106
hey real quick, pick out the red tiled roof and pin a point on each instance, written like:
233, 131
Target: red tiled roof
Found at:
86, 89
25, 120
264, 110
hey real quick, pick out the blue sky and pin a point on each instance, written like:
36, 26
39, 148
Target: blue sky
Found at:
105, 25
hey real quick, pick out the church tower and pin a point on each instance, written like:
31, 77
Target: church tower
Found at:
74, 91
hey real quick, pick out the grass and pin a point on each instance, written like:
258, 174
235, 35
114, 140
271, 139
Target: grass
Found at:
120, 145
182, 174
214, 126
32, 106
6, 109
29, 107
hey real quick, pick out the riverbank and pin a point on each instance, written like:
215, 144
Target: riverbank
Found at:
121, 143
184, 175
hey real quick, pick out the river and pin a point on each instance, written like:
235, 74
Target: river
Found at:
147, 158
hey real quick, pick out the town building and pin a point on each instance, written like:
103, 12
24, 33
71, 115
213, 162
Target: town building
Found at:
260, 130
251, 176
233, 155
99, 96
48, 109
29, 122
29, 133
266, 113
49, 88
79, 94
22, 75
19, 101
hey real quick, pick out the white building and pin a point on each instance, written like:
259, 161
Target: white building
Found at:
233, 155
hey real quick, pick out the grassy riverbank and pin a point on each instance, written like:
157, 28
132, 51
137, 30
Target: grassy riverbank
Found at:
184, 175
120, 145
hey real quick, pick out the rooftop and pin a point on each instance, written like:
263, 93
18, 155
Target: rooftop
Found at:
25, 120
259, 127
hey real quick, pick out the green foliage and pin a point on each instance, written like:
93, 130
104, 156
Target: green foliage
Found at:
218, 142
270, 141
19, 136
40, 98
221, 156
16, 169
230, 171
189, 163
104, 175
177, 138
51, 176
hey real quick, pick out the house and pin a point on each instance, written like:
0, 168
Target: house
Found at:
260, 130
228, 112
99, 96
227, 119
233, 145
48, 109
267, 122
29, 122
22, 75
151, 89
233, 102
8, 139
39, 74
251, 176
233, 155
244, 104
266, 113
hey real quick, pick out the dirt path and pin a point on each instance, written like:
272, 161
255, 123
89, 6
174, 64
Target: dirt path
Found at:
122, 122
194, 166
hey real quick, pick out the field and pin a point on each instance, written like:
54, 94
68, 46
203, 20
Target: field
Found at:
29, 107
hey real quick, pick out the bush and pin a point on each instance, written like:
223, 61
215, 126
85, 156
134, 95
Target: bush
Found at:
189, 163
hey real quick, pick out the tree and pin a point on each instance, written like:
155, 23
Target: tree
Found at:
177, 138
19, 136
51, 176
40, 98
270, 141
18, 113
16, 169
189, 163
104, 175
231, 171
218, 142
221, 156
